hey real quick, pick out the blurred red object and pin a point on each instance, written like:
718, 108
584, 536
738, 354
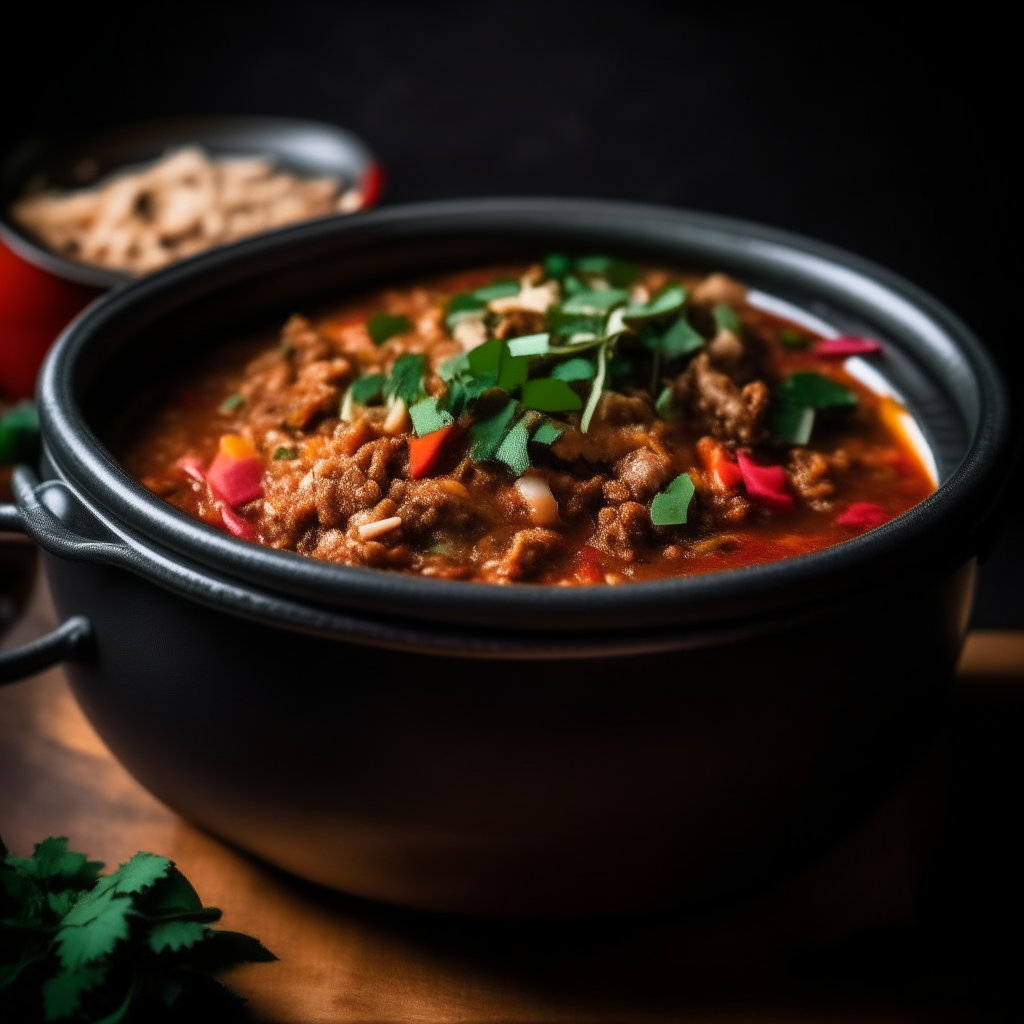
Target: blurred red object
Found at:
35, 306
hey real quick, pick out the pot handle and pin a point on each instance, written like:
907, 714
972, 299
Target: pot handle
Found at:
73, 639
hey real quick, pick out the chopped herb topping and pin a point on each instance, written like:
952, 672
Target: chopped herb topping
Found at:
792, 339
669, 508
726, 317
369, 389
574, 369
384, 326
406, 380
286, 453
798, 400
550, 395
547, 433
427, 417
512, 450
230, 404
488, 434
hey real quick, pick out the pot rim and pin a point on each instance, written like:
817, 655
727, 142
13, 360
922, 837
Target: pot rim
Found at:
943, 529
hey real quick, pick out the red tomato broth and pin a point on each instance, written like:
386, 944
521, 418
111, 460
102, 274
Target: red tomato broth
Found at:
461, 518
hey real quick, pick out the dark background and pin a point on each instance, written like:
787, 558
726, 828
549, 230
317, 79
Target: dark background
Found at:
890, 138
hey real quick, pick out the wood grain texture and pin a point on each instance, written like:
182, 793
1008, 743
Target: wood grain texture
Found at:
345, 960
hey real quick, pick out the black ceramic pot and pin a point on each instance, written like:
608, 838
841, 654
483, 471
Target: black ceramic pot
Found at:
505, 750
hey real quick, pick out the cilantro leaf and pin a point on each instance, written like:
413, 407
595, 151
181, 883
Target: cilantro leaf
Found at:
461, 306
406, 377
285, 452
136, 875
576, 368
670, 507
678, 339
427, 417
666, 406
550, 395
557, 264
668, 300
792, 423
497, 290
591, 302
792, 339
595, 388
488, 434
368, 389
569, 324
92, 928
512, 450
618, 273
530, 345
486, 358
727, 318
385, 325
513, 371
816, 391
62, 995
175, 935
547, 433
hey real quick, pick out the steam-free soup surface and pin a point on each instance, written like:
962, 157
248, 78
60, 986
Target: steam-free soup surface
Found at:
580, 421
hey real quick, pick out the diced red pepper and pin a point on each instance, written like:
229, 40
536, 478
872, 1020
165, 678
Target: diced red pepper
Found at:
767, 484
840, 348
236, 473
236, 525
193, 467
588, 565
425, 452
722, 470
863, 515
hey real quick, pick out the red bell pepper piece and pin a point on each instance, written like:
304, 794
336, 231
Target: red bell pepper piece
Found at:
588, 565
840, 348
767, 484
722, 470
863, 515
236, 473
236, 525
193, 467
425, 452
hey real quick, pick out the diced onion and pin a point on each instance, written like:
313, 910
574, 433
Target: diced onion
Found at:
370, 531
535, 492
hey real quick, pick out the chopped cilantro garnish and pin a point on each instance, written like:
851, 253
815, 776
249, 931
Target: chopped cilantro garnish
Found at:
230, 404
666, 406
550, 395
427, 417
547, 433
486, 358
592, 302
726, 317
385, 325
497, 290
792, 339
557, 264
568, 324
513, 370
618, 273
406, 377
512, 450
369, 389
668, 300
670, 507
817, 391
286, 453
678, 339
577, 368
793, 417
530, 345
487, 435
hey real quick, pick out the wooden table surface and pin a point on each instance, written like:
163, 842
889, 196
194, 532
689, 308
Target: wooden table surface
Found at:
897, 923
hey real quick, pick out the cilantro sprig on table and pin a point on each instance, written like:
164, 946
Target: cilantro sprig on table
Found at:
134, 945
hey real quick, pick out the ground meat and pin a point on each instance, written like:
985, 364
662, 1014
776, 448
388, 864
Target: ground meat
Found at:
718, 406
808, 472
528, 553
622, 529
642, 472
428, 505
518, 322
